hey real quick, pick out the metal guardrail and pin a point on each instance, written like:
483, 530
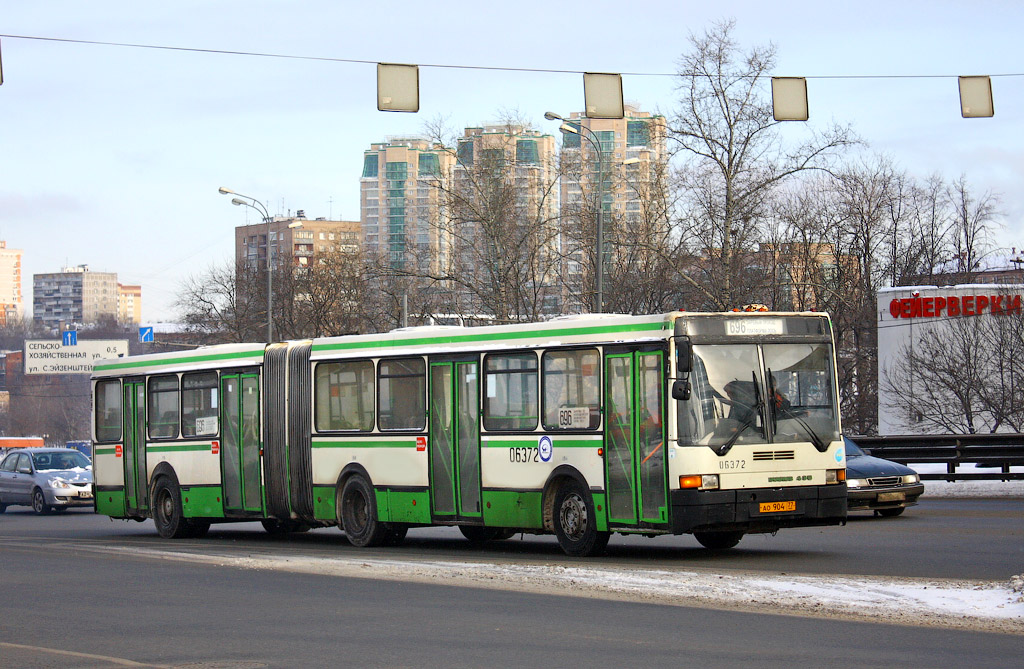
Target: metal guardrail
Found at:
999, 451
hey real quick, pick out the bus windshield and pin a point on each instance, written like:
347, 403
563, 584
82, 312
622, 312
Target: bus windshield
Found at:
731, 386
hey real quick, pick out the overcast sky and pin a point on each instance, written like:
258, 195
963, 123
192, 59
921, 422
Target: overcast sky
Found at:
112, 156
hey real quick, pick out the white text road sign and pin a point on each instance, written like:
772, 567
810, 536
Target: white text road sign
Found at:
53, 357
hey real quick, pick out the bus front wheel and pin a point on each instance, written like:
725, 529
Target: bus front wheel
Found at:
357, 511
575, 521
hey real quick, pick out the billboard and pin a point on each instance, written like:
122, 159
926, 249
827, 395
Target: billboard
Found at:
52, 356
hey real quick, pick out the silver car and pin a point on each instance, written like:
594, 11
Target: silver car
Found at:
47, 479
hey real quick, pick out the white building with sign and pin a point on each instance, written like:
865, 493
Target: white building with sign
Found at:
905, 315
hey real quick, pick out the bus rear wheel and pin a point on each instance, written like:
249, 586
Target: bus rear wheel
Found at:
718, 541
575, 521
357, 511
167, 513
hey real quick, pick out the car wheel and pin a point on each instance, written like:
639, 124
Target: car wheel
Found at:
575, 521
39, 504
890, 513
718, 541
167, 514
357, 510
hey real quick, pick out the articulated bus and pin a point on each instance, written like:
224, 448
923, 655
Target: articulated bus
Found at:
712, 424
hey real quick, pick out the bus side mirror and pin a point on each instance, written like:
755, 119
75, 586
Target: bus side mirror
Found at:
681, 389
684, 355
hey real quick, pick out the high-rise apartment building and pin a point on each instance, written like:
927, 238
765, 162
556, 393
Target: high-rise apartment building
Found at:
400, 203
503, 188
73, 295
631, 167
11, 304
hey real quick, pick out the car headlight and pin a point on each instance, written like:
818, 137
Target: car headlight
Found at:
856, 483
911, 478
58, 483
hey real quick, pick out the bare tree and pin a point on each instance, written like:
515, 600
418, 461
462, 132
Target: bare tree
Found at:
725, 126
226, 303
973, 220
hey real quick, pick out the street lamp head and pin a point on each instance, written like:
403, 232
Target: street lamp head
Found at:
237, 201
294, 225
552, 116
225, 191
565, 127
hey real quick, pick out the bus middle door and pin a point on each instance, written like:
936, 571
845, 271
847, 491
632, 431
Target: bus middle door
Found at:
454, 439
240, 442
634, 437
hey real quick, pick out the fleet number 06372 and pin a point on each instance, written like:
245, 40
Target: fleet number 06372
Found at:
524, 454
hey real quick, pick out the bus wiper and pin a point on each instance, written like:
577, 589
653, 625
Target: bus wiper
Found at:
749, 422
776, 409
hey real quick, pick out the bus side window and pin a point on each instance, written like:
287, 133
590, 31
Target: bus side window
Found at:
402, 394
572, 389
343, 396
199, 404
511, 392
108, 410
163, 406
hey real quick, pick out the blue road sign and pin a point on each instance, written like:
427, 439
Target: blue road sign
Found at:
70, 338
146, 334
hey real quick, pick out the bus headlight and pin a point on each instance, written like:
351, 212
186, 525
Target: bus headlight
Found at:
834, 476
701, 482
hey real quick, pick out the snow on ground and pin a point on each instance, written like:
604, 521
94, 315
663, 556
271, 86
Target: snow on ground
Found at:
974, 605
969, 488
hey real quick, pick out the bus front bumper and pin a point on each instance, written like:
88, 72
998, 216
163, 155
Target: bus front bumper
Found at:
758, 509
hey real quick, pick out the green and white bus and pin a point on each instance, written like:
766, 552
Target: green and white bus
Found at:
712, 424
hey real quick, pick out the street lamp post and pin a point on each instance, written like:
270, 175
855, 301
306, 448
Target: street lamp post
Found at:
595, 141
253, 203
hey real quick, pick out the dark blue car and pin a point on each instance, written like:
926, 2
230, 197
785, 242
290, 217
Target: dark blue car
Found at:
878, 485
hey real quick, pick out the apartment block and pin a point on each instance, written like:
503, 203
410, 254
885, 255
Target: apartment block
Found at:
294, 239
11, 303
73, 295
129, 304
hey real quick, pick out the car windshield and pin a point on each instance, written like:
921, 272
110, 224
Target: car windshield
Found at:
54, 461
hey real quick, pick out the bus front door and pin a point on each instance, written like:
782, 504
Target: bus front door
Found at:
454, 439
240, 442
136, 482
635, 466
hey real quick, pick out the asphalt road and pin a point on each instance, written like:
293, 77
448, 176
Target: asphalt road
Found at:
64, 605
940, 538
